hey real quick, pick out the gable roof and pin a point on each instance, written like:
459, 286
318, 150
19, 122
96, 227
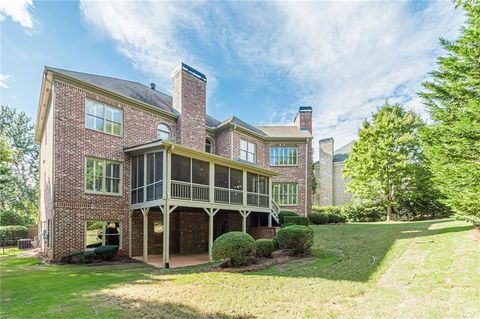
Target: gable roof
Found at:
127, 88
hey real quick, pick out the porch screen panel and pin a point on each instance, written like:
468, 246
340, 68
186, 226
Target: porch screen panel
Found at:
137, 179
236, 186
200, 172
181, 169
252, 183
154, 176
158, 175
221, 176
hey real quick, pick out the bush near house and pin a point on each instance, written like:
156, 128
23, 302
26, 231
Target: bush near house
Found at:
236, 248
296, 237
282, 214
318, 218
106, 252
264, 247
13, 232
295, 220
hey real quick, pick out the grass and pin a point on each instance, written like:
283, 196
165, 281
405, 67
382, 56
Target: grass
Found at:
427, 269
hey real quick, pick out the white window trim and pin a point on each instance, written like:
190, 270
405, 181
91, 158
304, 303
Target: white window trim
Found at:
212, 145
247, 151
104, 224
104, 176
289, 165
285, 183
104, 120
169, 131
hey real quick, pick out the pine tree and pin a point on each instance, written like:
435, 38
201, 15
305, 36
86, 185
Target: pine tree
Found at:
386, 162
452, 141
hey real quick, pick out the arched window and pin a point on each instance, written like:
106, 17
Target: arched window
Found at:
163, 132
208, 145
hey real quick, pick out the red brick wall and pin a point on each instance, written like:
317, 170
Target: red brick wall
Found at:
73, 142
223, 143
262, 232
189, 98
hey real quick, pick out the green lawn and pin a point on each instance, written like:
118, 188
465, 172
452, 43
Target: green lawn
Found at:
427, 269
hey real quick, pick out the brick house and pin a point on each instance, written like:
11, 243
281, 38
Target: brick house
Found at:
331, 186
122, 163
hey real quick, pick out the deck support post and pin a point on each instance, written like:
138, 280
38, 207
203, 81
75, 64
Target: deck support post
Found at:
166, 210
244, 214
269, 219
211, 214
130, 212
145, 233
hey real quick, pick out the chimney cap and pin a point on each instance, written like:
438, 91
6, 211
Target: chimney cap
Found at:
305, 109
152, 86
191, 71
325, 140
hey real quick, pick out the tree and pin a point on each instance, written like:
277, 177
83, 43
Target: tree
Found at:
19, 164
452, 97
386, 162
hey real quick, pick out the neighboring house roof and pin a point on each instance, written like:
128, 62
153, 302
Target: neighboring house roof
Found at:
284, 131
341, 154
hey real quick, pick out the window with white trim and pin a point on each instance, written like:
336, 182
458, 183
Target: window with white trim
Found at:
103, 118
100, 233
248, 151
103, 176
163, 132
283, 156
285, 193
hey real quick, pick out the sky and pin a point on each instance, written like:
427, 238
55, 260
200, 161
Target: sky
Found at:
262, 59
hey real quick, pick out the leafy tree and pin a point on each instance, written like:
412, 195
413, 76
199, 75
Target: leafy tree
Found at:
386, 163
19, 164
452, 141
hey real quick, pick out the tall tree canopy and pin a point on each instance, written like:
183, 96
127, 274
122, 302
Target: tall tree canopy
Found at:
18, 165
452, 141
386, 163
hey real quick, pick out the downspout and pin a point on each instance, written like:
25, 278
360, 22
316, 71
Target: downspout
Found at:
306, 178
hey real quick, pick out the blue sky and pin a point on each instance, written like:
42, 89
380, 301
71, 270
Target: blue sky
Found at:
262, 60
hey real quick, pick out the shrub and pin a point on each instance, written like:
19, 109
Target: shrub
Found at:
363, 212
13, 232
295, 220
318, 218
264, 247
275, 242
106, 252
283, 214
296, 237
236, 248
10, 217
78, 257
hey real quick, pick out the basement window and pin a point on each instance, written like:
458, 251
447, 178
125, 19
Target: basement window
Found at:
101, 233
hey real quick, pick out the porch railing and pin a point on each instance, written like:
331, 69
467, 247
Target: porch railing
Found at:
256, 199
190, 191
228, 196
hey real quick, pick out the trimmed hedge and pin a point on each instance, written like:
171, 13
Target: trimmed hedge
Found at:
264, 247
282, 214
296, 237
78, 257
106, 252
318, 218
295, 220
13, 232
236, 248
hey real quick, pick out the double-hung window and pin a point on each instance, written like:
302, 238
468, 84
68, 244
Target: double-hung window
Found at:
283, 156
103, 176
104, 118
101, 233
248, 151
285, 193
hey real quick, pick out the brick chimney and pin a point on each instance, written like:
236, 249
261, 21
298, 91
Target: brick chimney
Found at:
325, 172
303, 119
189, 99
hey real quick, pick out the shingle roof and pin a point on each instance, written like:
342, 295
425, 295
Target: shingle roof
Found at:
341, 154
211, 121
284, 131
127, 88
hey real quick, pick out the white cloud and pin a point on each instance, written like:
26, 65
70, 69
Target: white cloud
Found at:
18, 11
3, 80
342, 58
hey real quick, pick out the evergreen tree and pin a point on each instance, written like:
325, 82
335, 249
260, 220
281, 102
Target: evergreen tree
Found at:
452, 141
386, 163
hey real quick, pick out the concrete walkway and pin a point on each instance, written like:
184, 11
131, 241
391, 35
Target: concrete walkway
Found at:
176, 260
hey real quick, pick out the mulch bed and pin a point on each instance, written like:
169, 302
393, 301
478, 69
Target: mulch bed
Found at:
258, 263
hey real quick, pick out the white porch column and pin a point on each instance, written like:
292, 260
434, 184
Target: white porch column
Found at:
269, 219
166, 235
145, 233
130, 212
211, 214
244, 214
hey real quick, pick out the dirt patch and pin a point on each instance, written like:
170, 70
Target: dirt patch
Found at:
257, 264
476, 234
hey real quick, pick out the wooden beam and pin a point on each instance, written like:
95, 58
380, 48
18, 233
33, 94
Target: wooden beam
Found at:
130, 212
